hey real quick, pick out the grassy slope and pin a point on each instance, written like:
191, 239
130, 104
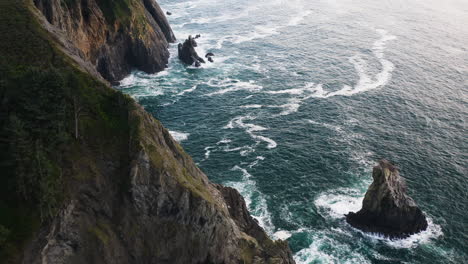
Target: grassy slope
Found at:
40, 157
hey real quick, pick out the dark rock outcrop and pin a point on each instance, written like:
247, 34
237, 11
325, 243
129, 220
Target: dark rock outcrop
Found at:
114, 36
188, 54
209, 56
386, 208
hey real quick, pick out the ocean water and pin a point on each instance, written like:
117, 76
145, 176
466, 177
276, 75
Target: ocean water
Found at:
302, 100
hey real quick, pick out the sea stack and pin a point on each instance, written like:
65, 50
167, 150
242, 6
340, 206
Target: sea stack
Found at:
386, 208
187, 53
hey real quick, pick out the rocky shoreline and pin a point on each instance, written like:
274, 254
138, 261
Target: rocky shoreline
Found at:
124, 190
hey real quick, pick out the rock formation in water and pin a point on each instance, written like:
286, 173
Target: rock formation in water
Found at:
188, 54
386, 208
209, 56
114, 36
87, 175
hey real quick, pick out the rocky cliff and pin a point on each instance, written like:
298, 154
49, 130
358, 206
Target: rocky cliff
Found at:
166, 211
114, 36
87, 175
386, 208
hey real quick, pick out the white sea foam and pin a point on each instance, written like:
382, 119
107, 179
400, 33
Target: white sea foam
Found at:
218, 19
243, 151
208, 152
179, 136
254, 199
256, 161
132, 80
251, 106
282, 234
295, 20
328, 126
250, 129
287, 91
339, 202
325, 249
263, 31
224, 141
432, 232
233, 86
188, 90
366, 82
300, 94
258, 32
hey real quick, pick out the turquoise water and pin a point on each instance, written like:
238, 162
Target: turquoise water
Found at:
302, 100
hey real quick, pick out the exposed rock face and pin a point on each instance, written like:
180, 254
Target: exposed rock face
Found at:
131, 194
188, 54
114, 36
168, 213
386, 208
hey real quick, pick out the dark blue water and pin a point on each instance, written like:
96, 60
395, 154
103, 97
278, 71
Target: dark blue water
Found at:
302, 100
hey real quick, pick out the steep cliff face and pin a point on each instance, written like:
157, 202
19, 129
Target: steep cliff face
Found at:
90, 177
115, 36
167, 212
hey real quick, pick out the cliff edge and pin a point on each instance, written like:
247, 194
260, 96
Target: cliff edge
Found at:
87, 175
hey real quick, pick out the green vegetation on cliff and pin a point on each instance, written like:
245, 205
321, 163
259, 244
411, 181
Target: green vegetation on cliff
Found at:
51, 116
86, 173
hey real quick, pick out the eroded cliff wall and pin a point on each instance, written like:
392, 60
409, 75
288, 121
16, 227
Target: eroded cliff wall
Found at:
116, 36
87, 175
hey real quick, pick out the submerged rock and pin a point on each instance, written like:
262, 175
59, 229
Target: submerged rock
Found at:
168, 13
188, 54
386, 208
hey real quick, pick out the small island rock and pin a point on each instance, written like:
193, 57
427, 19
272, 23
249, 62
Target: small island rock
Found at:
188, 54
386, 208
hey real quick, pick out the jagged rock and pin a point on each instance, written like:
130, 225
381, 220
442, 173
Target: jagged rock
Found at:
209, 54
188, 54
210, 59
113, 46
198, 36
241, 216
168, 212
386, 208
